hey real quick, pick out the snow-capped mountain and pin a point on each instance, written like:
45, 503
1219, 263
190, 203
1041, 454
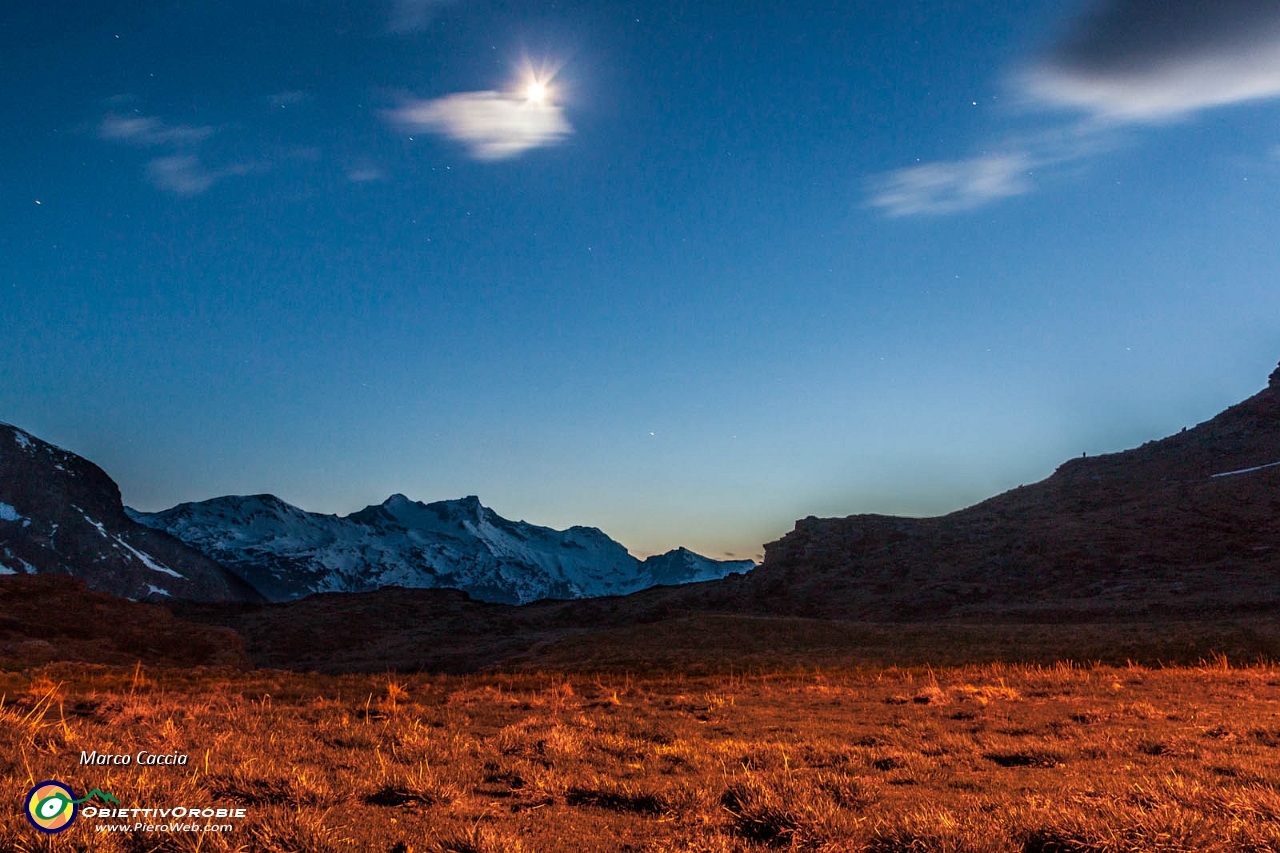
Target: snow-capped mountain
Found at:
61, 514
286, 552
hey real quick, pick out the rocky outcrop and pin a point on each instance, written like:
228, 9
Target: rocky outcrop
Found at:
61, 514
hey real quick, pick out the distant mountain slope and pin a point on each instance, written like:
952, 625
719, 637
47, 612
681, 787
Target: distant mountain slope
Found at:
287, 553
55, 617
1190, 523
60, 514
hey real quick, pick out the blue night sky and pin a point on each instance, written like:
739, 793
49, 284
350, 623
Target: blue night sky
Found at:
682, 271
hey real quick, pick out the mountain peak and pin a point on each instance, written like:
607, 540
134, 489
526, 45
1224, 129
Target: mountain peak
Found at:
468, 507
1274, 379
270, 500
471, 502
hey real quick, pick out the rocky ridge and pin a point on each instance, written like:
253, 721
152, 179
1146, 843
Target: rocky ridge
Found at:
1188, 523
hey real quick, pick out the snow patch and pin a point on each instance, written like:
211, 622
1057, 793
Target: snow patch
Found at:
1214, 476
30, 569
9, 513
147, 560
152, 589
98, 524
24, 440
5, 570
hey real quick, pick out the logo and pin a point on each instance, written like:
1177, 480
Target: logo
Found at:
51, 807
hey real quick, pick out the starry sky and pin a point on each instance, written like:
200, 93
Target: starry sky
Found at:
685, 271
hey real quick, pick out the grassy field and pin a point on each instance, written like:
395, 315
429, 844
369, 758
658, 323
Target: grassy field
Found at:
996, 758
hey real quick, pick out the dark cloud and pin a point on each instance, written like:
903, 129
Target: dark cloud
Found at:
1139, 34
1140, 60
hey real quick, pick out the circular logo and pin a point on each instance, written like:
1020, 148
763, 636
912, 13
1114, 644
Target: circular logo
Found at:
51, 807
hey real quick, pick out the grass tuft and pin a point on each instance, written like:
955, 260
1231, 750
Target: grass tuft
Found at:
999, 759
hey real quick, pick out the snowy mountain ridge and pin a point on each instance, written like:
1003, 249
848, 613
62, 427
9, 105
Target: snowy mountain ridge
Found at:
286, 552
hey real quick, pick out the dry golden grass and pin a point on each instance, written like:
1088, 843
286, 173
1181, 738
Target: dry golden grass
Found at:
992, 759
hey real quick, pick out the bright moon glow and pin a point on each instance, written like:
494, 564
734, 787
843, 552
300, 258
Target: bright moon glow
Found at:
536, 91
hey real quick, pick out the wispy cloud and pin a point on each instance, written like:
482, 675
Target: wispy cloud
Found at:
951, 186
364, 173
182, 174
185, 174
411, 16
182, 171
149, 130
947, 187
1151, 60
492, 125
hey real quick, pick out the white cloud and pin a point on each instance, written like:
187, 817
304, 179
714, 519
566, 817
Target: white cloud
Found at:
185, 174
493, 125
1158, 94
148, 130
411, 16
950, 186
1153, 60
